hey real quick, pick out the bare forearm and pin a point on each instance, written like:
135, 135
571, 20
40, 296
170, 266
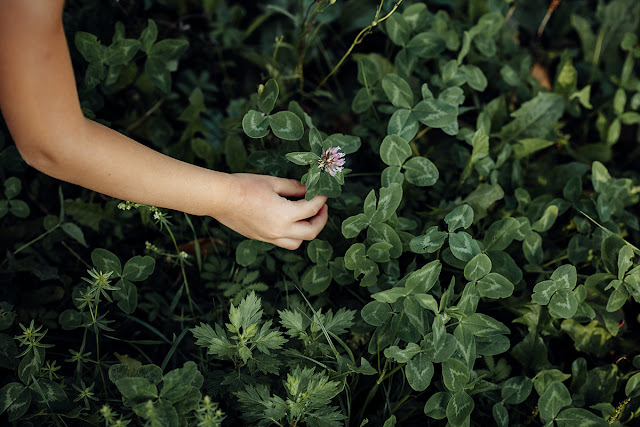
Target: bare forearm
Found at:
108, 162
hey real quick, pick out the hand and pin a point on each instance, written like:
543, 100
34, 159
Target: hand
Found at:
256, 207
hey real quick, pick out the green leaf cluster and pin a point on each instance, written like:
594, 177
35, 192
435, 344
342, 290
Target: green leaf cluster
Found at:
114, 65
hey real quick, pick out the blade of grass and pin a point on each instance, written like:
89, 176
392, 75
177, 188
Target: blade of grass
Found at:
141, 342
146, 325
324, 330
173, 348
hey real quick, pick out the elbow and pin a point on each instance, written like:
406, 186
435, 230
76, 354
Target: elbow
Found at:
53, 148
41, 156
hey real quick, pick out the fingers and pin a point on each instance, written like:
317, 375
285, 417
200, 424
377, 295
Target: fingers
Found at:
309, 208
309, 229
303, 230
289, 187
290, 244
320, 219
270, 217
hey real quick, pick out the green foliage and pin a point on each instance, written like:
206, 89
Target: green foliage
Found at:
159, 399
480, 261
16, 207
247, 335
111, 64
307, 395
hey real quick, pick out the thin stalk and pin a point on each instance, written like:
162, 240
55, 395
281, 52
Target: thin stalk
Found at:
611, 233
393, 371
51, 230
279, 41
412, 143
81, 351
374, 389
329, 64
553, 261
401, 402
334, 225
302, 46
552, 8
366, 86
598, 48
361, 35
383, 374
145, 116
421, 134
104, 382
61, 420
40, 237
94, 316
99, 364
379, 9
355, 295
76, 255
510, 13
184, 273
352, 175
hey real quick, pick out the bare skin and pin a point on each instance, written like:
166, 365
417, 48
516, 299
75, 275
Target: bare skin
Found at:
39, 102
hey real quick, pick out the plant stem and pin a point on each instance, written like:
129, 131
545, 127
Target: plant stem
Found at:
361, 35
352, 175
184, 273
145, 116
383, 375
26, 245
421, 134
366, 86
307, 23
596, 52
76, 255
305, 27
374, 389
96, 331
393, 371
104, 382
412, 143
554, 5
611, 233
51, 230
553, 261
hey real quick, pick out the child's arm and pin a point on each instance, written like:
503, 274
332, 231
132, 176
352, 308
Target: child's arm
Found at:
39, 101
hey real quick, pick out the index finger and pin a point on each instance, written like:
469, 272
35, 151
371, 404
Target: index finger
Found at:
309, 208
288, 187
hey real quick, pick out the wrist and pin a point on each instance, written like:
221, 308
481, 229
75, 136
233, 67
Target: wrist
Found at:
222, 194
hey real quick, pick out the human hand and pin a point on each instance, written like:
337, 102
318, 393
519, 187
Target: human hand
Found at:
257, 207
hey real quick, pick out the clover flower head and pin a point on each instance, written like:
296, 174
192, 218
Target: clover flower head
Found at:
332, 160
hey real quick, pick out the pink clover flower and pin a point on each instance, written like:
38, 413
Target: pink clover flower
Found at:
332, 160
